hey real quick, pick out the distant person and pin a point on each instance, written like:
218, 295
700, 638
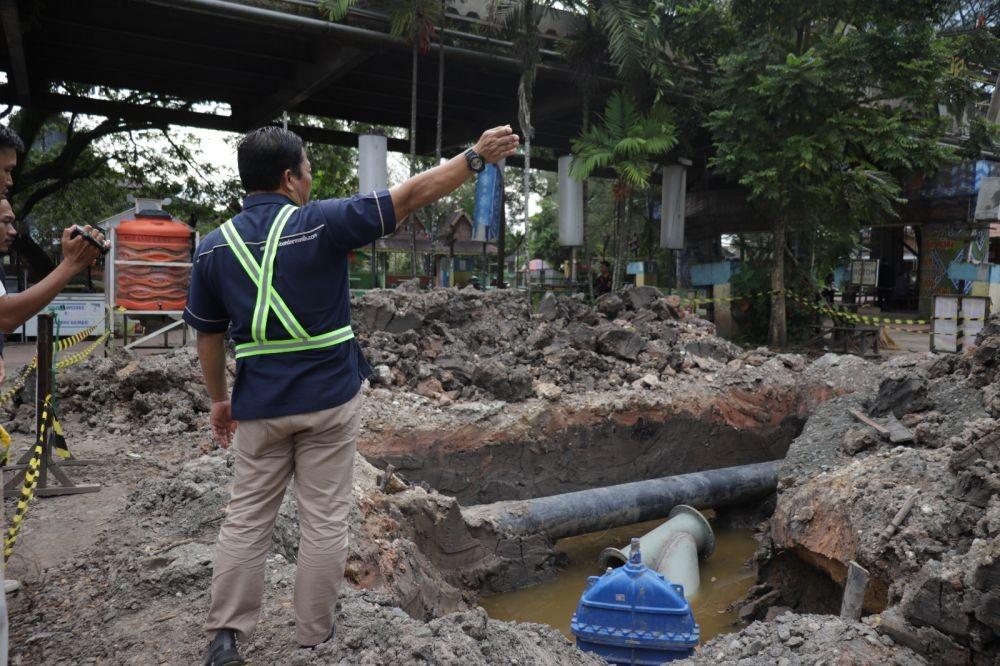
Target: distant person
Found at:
829, 290
275, 280
15, 309
602, 283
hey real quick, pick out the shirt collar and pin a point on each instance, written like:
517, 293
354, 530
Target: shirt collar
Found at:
265, 198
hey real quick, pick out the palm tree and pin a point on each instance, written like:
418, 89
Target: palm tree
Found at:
626, 141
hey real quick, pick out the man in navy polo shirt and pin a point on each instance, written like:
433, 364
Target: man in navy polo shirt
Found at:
276, 277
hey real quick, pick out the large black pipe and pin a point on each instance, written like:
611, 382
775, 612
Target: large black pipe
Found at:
585, 511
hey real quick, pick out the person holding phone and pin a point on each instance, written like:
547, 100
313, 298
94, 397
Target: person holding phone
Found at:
15, 309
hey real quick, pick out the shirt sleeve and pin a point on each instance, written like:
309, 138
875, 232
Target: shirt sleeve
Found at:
359, 220
204, 310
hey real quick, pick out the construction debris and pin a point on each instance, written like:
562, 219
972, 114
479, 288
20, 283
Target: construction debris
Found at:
477, 397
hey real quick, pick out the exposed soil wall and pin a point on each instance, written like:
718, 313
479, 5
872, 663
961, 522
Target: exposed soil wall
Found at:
568, 450
934, 584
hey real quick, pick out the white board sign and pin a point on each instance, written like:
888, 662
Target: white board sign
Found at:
974, 313
945, 323
74, 313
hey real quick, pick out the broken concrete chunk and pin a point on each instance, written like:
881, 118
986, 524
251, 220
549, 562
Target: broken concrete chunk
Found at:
640, 298
609, 305
901, 395
548, 308
619, 342
857, 440
548, 391
540, 337
581, 336
429, 388
510, 384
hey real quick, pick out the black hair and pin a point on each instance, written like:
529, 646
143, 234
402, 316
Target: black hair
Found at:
10, 139
606, 263
263, 155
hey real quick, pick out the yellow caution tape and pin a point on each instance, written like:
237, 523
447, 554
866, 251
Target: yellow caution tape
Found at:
74, 339
79, 356
831, 310
5, 440
18, 383
30, 483
58, 441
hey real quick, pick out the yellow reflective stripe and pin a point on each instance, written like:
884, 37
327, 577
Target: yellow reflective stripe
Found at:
239, 248
287, 346
264, 288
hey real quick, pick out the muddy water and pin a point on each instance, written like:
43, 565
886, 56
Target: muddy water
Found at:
724, 579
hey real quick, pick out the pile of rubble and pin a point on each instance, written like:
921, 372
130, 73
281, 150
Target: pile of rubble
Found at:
794, 640
150, 574
450, 344
921, 513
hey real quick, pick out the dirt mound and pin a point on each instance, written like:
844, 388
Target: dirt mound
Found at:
384, 554
934, 580
793, 639
150, 574
450, 344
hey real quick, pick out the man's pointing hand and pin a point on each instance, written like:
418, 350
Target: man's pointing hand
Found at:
497, 143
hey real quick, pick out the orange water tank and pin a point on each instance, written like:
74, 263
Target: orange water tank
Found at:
153, 238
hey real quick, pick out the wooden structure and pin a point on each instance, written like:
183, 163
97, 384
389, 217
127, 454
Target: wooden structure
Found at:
453, 241
45, 432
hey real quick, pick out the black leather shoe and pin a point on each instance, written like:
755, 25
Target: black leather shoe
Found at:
333, 634
222, 650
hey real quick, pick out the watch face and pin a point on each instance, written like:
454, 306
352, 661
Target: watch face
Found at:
477, 163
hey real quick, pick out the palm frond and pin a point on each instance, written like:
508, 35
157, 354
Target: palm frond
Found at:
336, 10
622, 23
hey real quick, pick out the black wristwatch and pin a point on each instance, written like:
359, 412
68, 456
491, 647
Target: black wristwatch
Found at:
474, 161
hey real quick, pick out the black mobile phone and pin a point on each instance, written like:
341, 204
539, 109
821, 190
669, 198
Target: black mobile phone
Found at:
90, 239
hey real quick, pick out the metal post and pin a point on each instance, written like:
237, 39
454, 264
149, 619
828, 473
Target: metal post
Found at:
43, 386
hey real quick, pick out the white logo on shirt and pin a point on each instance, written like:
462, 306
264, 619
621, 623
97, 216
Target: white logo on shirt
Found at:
300, 239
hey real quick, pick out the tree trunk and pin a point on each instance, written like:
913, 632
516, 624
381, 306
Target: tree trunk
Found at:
413, 149
778, 336
438, 148
524, 90
584, 126
623, 231
526, 189
440, 107
502, 242
617, 241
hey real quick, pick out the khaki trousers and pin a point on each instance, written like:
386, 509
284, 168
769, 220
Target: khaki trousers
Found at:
319, 448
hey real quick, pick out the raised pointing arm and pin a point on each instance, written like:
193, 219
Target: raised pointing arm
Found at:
427, 187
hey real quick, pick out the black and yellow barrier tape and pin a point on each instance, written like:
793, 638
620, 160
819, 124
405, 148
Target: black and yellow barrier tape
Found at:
30, 482
65, 343
74, 339
5, 440
889, 322
84, 353
18, 384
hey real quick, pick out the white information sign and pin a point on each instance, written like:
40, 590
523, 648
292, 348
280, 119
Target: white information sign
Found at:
74, 313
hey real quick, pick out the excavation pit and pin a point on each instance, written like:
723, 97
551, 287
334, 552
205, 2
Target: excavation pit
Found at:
726, 577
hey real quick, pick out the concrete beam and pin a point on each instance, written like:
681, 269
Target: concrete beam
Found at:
330, 64
15, 50
185, 118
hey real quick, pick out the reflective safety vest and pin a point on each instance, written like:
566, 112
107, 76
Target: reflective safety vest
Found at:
269, 300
